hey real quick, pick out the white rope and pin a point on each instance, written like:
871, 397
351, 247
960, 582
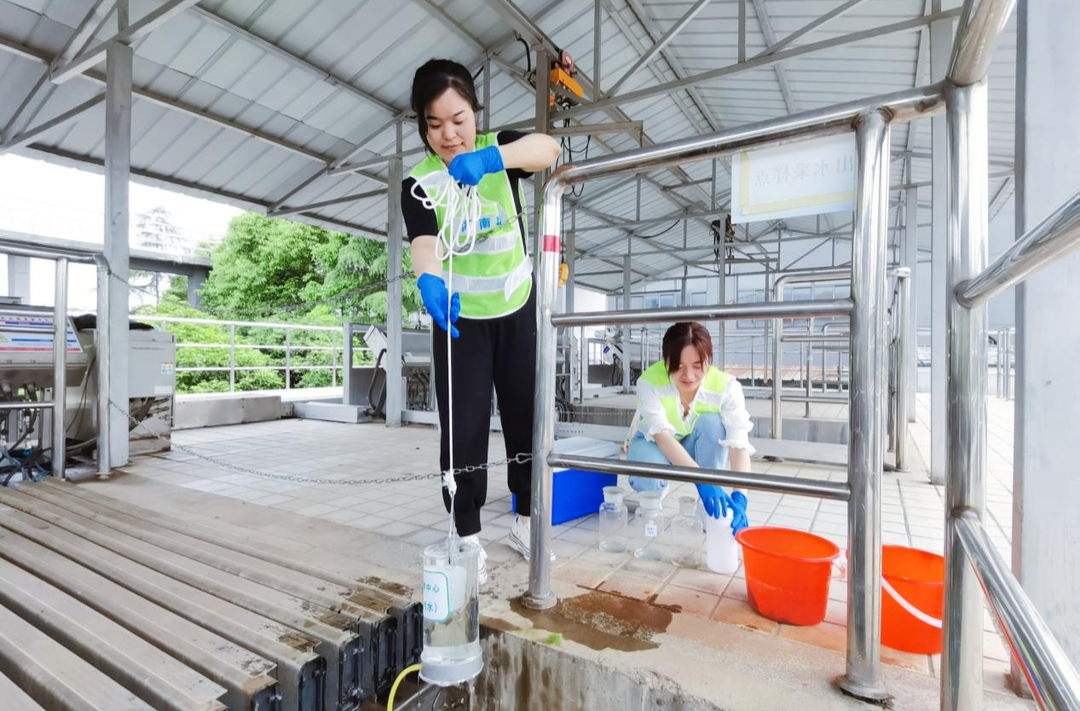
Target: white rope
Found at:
462, 207
908, 607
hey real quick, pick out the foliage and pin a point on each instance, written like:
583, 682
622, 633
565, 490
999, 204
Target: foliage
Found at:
262, 262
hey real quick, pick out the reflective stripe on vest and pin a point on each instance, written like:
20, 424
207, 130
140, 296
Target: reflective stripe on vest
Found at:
709, 396
496, 277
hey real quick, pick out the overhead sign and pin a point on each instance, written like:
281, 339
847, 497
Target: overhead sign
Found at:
802, 178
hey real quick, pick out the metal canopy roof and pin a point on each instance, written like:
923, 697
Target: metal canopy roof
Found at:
267, 103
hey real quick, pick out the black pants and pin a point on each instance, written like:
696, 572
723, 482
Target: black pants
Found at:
502, 352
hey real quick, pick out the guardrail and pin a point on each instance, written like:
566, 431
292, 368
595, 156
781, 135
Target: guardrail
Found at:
289, 348
870, 120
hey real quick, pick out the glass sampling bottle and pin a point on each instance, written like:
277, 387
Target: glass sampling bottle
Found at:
649, 527
687, 535
613, 518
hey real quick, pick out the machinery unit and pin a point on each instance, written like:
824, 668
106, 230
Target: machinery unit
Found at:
26, 383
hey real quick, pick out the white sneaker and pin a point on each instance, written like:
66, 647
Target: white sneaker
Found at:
481, 564
519, 537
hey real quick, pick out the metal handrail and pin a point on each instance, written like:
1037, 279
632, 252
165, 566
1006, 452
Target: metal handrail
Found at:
870, 119
1051, 677
1052, 238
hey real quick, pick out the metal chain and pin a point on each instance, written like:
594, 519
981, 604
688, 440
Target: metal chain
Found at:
520, 458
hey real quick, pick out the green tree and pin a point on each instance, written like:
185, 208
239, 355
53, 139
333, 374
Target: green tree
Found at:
262, 262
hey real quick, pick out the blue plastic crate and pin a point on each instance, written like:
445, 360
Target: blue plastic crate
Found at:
575, 492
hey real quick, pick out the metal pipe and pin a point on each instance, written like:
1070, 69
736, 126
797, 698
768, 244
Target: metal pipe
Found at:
866, 446
981, 21
60, 318
903, 106
903, 372
835, 490
835, 340
1008, 363
102, 355
1056, 235
965, 444
718, 312
18, 248
1053, 680
7, 406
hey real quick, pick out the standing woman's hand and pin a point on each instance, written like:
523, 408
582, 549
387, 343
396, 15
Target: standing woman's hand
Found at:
469, 168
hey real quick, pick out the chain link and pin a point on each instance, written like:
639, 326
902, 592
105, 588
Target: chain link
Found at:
520, 458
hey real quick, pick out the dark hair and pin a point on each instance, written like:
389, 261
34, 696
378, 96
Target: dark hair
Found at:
431, 81
681, 335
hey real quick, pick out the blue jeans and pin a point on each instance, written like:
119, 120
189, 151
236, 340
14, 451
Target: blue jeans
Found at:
702, 444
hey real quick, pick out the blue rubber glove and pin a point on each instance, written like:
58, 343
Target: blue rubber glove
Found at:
433, 292
715, 499
738, 507
469, 168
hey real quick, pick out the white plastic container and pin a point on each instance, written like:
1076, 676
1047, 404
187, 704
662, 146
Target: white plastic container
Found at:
452, 653
721, 548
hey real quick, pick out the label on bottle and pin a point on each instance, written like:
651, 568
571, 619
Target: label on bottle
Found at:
650, 529
436, 595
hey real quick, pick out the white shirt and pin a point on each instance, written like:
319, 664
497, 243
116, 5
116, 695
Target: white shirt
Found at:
732, 407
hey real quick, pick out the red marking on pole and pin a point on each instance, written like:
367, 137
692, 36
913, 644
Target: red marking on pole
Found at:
552, 243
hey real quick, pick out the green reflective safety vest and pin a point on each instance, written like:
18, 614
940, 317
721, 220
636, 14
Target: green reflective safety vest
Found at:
708, 399
496, 277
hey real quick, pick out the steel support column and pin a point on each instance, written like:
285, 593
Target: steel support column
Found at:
911, 261
866, 449
627, 277
940, 51
395, 395
118, 60
965, 487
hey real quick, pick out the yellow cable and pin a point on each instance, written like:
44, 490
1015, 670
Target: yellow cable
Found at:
397, 682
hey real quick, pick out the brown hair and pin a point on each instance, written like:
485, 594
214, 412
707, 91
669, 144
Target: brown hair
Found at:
681, 335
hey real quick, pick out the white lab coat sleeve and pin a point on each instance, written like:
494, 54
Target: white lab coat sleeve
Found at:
736, 418
652, 411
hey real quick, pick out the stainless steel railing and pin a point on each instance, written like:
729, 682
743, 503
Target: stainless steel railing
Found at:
870, 119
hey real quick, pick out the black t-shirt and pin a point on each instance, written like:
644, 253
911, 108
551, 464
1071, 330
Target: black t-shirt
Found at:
420, 221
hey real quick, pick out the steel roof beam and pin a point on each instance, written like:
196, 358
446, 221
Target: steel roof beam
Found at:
809, 27
770, 39
188, 188
756, 63
297, 61
29, 136
659, 44
143, 26
83, 35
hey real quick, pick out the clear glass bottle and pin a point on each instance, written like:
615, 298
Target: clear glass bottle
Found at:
649, 527
613, 519
687, 535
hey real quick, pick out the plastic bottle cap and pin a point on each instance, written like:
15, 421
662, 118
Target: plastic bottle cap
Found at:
687, 505
613, 495
650, 500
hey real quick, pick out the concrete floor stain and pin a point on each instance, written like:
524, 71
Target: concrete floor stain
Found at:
600, 620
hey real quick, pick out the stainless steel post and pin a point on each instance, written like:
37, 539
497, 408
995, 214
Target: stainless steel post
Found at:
288, 357
60, 318
777, 368
232, 357
101, 346
965, 490
539, 595
347, 363
904, 383
626, 329
866, 447
1008, 363
809, 364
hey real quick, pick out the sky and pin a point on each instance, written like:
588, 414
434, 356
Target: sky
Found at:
38, 197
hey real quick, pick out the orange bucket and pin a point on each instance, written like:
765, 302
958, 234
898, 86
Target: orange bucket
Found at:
788, 573
912, 599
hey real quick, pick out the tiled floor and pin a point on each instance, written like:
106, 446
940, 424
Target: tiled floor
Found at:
280, 457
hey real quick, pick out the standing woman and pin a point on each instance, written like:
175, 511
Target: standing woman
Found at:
492, 303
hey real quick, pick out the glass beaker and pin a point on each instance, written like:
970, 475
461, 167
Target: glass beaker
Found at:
687, 535
649, 526
613, 518
452, 653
